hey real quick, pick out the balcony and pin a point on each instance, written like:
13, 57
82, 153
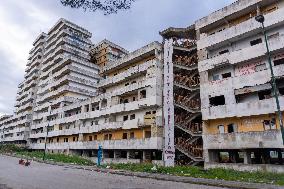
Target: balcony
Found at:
242, 109
131, 72
102, 127
146, 144
243, 29
265, 139
136, 56
38, 135
215, 88
242, 55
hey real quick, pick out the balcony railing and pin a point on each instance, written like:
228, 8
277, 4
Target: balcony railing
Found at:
149, 143
250, 26
260, 139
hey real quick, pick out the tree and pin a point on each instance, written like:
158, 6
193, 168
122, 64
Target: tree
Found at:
106, 6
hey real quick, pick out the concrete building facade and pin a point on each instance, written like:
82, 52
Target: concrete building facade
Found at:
241, 129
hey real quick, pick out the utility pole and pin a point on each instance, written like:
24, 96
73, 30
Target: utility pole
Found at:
260, 18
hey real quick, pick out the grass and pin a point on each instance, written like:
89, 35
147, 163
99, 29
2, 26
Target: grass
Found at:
62, 158
198, 172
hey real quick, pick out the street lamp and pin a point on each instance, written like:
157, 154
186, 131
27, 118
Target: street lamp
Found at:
260, 18
44, 154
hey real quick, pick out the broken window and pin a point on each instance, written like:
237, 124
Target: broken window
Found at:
142, 94
132, 116
278, 62
266, 94
147, 134
124, 136
217, 100
125, 118
226, 75
269, 124
132, 135
281, 90
223, 52
221, 129
260, 67
232, 128
255, 42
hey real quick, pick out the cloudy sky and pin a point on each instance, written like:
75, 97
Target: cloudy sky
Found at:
22, 20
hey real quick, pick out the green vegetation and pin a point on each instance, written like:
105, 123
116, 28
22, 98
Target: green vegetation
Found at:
198, 172
71, 159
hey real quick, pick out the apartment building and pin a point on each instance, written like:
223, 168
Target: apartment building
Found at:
182, 114
125, 120
67, 75
105, 52
241, 127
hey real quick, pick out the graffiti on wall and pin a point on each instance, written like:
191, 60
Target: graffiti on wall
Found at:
169, 148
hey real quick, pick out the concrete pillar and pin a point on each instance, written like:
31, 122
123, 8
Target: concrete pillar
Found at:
81, 137
280, 159
247, 157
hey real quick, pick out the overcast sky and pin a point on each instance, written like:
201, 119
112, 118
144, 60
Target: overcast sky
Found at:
21, 21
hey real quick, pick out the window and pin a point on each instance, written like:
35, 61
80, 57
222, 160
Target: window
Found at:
65, 139
125, 118
124, 136
95, 137
57, 140
226, 75
269, 124
147, 134
125, 101
216, 77
133, 98
255, 42
217, 100
232, 128
132, 135
278, 62
143, 94
148, 113
223, 52
74, 139
90, 138
221, 129
110, 136
106, 137
132, 116
266, 94
281, 90
260, 67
